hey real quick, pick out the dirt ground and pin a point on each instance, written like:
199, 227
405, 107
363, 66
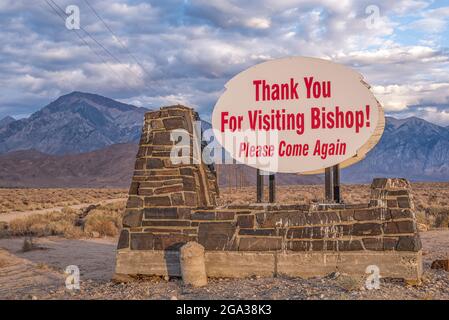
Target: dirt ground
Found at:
38, 274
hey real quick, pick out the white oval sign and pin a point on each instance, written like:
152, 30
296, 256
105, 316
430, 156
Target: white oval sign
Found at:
297, 115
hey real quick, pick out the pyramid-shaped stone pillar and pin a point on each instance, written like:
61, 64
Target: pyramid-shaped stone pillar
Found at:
162, 191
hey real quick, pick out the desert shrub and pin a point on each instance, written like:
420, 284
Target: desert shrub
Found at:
422, 218
438, 217
27, 244
102, 223
48, 224
105, 220
442, 220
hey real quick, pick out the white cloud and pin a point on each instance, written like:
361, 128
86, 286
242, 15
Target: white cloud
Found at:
435, 115
400, 97
187, 50
258, 23
394, 54
431, 21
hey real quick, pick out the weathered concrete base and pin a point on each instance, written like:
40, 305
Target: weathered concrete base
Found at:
157, 263
404, 265
240, 264
234, 264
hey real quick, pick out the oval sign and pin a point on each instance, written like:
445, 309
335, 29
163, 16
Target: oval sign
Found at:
297, 115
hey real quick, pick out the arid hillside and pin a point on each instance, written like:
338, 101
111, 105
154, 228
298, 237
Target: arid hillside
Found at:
108, 167
111, 167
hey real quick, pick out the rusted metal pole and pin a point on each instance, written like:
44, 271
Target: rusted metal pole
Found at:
328, 185
272, 188
259, 183
336, 180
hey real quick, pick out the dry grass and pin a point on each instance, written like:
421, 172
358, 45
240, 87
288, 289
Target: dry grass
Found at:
102, 221
48, 224
105, 220
36, 199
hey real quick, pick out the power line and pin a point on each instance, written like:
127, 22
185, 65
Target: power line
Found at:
90, 36
88, 45
99, 44
114, 35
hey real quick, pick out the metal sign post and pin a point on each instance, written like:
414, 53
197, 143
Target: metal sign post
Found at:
259, 183
272, 189
336, 181
328, 185
332, 184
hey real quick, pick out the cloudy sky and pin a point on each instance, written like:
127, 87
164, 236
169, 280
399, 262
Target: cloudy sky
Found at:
153, 53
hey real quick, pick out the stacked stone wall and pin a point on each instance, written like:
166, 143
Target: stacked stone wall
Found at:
172, 204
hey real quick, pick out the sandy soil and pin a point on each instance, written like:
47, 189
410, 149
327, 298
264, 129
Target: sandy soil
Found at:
20, 278
38, 274
7, 217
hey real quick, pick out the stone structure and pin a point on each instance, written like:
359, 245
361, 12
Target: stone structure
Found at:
172, 204
193, 264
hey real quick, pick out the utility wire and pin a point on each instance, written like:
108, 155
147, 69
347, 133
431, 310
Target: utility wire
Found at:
98, 43
88, 45
114, 35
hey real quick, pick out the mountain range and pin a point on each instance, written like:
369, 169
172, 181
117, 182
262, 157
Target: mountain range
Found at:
412, 148
74, 123
87, 140
109, 167
6, 120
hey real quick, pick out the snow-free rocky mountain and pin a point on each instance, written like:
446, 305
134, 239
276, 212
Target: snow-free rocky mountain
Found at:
74, 123
412, 148
87, 140
6, 120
